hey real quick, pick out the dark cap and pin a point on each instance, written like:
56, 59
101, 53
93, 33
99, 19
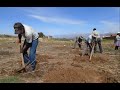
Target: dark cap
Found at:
94, 28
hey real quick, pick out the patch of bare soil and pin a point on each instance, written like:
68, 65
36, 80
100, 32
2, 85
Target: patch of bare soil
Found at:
7, 72
75, 51
9, 67
60, 47
43, 58
75, 75
96, 58
5, 52
41, 70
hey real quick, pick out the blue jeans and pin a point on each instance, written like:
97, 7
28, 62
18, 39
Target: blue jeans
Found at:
32, 54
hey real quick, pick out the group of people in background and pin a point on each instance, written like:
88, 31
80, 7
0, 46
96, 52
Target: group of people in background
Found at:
95, 39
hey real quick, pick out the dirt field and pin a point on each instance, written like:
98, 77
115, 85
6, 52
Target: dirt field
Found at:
57, 62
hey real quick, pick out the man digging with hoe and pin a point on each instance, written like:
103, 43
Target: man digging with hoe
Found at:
31, 41
91, 42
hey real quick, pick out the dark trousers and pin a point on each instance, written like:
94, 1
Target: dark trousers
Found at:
98, 42
116, 47
79, 46
90, 46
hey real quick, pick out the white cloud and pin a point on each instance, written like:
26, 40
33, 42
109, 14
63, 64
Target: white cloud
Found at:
44, 11
57, 20
112, 27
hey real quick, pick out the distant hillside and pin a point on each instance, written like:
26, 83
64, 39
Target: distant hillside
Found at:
4, 35
72, 36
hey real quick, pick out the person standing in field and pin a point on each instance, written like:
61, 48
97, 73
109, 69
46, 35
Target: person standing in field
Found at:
117, 42
96, 39
98, 42
88, 42
31, 41
94, 35
87, 48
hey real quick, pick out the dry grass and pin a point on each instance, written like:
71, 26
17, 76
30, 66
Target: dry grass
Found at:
58, 62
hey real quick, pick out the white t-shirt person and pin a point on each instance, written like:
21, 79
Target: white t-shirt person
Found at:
31, 42
95, 33
30, 34
118, 38
89, 39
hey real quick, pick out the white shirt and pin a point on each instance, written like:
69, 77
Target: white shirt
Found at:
95, 33
118, 37
89, 39
29, 34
